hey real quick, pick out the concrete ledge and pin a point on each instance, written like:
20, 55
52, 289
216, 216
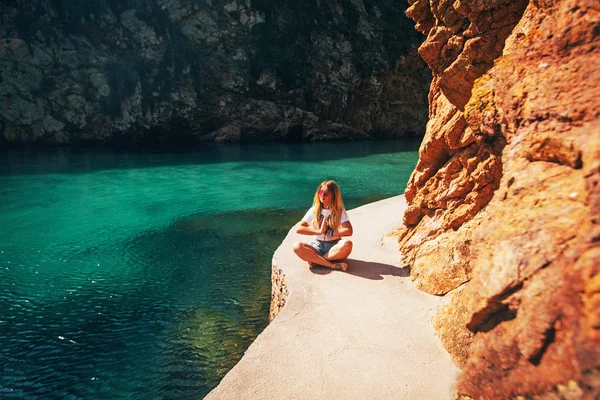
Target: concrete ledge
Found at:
363, 334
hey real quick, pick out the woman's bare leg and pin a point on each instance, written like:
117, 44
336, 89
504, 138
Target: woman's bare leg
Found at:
310, 255
340, 251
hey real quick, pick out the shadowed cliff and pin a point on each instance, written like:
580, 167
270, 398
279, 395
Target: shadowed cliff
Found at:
163, 71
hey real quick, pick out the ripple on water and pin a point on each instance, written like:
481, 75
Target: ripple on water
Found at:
148, 277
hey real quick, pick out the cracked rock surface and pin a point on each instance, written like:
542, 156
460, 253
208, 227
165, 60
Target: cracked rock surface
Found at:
504, 205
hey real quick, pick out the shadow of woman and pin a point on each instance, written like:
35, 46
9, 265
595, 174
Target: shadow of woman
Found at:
369, 270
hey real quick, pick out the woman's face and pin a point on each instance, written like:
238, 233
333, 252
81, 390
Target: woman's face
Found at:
324, 196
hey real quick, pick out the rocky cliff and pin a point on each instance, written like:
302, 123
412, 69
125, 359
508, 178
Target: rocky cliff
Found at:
504, 204
186, 70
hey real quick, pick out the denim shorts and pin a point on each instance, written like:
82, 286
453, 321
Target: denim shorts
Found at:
323, 247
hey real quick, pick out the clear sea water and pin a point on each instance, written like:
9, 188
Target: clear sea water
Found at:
146, 275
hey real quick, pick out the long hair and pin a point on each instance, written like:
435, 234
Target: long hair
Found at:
336, 205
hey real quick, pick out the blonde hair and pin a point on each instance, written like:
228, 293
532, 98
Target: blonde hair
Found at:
336, 205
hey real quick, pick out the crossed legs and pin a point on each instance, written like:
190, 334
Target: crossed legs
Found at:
340, 251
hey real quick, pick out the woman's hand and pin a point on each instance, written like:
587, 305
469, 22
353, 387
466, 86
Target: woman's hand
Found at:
323, 227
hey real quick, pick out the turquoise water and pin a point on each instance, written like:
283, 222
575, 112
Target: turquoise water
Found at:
147, 275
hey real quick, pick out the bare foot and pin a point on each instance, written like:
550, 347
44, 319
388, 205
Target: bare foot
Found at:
340, 265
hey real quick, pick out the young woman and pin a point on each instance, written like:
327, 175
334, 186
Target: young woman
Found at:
328, 222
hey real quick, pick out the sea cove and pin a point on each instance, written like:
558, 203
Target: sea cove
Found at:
147, 275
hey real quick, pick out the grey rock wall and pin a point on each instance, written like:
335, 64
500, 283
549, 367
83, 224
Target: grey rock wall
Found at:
160, 71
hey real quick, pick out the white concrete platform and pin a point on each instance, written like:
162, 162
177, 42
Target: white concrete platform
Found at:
360, 334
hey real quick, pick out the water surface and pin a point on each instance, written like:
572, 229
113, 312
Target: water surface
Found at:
147, 275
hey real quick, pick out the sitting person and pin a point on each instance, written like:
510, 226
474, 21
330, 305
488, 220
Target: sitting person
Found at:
328, 221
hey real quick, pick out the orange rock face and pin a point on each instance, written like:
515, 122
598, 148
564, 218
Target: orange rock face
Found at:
504, 203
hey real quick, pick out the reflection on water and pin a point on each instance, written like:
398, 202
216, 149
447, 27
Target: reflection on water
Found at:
126, 275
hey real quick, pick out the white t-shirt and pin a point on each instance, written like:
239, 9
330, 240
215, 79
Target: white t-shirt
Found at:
308, 218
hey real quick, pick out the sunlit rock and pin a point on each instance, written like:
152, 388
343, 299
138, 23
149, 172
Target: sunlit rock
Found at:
504, 204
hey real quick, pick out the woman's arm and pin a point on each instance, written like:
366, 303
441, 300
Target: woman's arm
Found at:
344, 230
304, 229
